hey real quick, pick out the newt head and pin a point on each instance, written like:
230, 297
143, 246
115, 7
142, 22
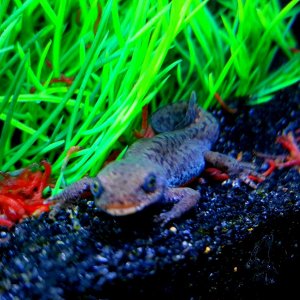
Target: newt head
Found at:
125, 187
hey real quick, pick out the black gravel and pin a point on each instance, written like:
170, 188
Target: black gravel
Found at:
239, 243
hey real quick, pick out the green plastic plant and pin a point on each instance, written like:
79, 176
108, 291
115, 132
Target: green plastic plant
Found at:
79, 72
231, 49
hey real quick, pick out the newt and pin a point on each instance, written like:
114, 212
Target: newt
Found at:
154, 169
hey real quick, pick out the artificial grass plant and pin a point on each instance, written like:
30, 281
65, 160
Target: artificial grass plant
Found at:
79, 72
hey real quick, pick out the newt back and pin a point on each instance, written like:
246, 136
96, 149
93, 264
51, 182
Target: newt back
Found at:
186, 132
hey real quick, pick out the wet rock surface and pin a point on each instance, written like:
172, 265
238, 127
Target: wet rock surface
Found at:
238, 243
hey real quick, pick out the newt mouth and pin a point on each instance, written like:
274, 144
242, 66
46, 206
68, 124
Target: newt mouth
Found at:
122, 210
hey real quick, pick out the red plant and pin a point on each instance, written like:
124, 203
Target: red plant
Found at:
21, 195
290, 143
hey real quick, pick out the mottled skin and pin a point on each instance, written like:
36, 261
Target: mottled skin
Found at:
153, 169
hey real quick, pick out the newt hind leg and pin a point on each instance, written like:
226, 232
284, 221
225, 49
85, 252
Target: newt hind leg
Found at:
243, 170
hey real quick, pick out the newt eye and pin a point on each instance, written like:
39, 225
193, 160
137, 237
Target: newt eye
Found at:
149, 185
96, 188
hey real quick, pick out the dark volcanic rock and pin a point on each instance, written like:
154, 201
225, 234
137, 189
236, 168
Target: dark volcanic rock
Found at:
239, 243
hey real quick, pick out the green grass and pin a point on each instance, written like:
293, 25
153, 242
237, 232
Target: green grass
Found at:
120, 56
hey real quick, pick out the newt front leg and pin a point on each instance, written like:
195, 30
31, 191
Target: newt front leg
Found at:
184, 199
70, 195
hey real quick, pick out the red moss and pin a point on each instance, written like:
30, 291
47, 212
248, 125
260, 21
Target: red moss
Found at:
62, 79
289, 142
21, 195
224, 105
146, 130
216, 174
